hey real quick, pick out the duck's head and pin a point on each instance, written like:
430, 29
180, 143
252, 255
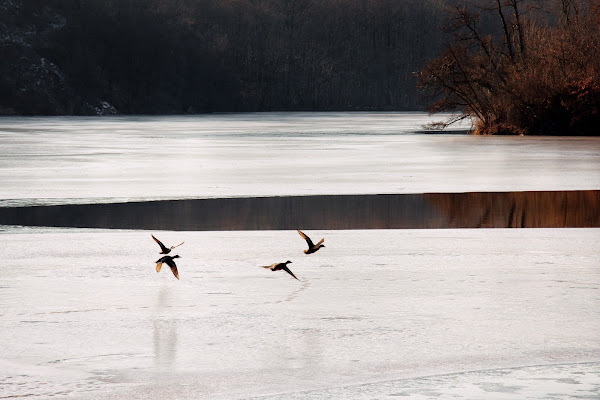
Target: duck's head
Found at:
288, 262
176, 256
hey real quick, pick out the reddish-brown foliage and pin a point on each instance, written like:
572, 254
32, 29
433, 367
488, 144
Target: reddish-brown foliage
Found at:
538, 76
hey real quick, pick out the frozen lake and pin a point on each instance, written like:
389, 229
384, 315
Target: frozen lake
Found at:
470, 313
417, 314
58, 160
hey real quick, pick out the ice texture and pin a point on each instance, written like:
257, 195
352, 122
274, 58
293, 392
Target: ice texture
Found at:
61, 160
469, 313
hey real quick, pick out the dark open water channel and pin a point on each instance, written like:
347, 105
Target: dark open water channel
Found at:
540, 209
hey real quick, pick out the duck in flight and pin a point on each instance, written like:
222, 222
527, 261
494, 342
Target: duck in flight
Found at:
281, 267
164, 249
169, 261
311, 247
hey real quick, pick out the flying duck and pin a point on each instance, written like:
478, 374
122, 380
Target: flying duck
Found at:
311, 247
281, 266
169, 261
164, 249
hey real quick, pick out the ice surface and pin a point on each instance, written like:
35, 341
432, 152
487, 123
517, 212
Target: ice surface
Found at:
67, 159
495, 314
483, 313
567, 381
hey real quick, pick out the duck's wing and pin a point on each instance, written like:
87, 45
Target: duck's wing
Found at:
173, 267
172, 247
320, 242
174, 270
286, 269
310, 243
158, 266
163, 248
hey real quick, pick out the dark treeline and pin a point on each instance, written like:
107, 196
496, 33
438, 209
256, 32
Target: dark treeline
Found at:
179, 56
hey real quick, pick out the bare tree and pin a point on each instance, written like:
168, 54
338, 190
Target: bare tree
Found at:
534, 77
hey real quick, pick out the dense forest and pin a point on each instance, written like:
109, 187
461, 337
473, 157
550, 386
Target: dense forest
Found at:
510, 66
190, 56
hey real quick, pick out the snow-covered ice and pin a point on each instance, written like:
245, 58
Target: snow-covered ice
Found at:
482, 313
66, 160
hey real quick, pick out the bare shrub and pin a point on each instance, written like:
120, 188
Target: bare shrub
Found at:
537, 74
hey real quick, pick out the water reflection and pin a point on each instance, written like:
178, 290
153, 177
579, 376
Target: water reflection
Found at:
164, 332
543, 209
518, 209
312, 350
